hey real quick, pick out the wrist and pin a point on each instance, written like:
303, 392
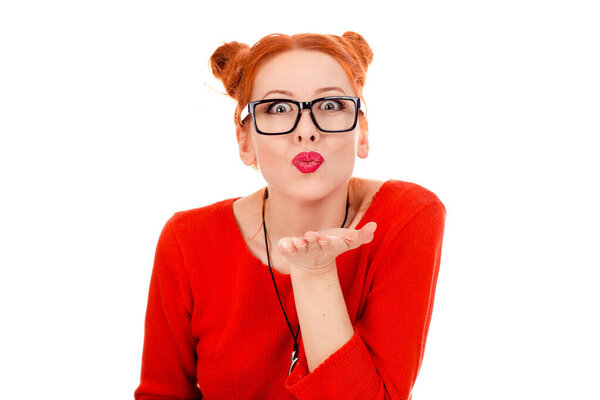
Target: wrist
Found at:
313, 272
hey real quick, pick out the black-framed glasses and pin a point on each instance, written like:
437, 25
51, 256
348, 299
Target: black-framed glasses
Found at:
281, 116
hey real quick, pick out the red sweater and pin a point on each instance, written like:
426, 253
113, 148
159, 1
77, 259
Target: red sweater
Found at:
215, 329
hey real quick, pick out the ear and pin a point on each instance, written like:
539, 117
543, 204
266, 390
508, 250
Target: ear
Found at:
247, 154
362, 146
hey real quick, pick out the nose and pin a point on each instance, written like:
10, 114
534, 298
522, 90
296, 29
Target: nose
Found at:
306, 130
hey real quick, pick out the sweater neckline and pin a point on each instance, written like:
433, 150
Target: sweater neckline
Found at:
239, 238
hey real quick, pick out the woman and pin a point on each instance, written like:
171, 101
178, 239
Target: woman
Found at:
318, 286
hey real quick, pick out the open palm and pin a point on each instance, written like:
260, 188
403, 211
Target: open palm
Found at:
315, 252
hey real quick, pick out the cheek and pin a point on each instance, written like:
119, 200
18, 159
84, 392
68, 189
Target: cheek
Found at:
342, 152
346, 147
269, 150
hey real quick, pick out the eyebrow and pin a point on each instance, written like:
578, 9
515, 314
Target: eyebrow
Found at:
321, 90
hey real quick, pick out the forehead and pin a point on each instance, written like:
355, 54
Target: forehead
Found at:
301, 72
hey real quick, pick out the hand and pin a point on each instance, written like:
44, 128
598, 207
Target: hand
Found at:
315, 252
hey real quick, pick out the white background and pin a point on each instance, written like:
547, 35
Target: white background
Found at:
111, 121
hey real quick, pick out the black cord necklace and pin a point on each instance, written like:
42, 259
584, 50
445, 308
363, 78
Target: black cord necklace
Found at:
294, 357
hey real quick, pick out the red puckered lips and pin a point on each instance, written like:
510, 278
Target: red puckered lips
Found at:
308, 162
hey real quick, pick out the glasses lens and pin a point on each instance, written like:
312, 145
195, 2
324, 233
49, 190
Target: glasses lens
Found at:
332, 114
335, 114
275, 116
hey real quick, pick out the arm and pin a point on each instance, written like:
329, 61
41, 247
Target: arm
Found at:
322, 314
169, 353
382, 358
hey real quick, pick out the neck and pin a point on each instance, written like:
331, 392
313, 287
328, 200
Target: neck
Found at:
286, 216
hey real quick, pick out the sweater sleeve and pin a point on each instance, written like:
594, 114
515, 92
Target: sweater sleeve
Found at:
169, 355
383, 357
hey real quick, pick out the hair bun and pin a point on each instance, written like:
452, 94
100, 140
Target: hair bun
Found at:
226, 66
360, 46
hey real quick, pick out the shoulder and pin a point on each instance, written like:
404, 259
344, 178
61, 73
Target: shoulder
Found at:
412, 193
398, 203
409, 210
407, 198
208, 217
198, 232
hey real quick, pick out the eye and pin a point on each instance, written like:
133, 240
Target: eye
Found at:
279, 108
332, 105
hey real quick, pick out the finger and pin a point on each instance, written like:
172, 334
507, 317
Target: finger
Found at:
311, 238
286, 245
372, 226
300, 244
324, 240
366, 233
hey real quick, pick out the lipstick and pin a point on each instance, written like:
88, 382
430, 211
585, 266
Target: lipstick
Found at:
308, 162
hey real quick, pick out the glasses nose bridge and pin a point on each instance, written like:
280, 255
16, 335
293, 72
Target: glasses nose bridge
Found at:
305, 105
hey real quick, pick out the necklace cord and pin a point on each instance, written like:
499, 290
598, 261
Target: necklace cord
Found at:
295, 350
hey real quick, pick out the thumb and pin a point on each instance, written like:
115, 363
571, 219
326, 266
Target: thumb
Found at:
367, 232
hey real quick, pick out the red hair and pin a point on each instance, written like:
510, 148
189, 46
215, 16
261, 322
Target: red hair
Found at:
236, 64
